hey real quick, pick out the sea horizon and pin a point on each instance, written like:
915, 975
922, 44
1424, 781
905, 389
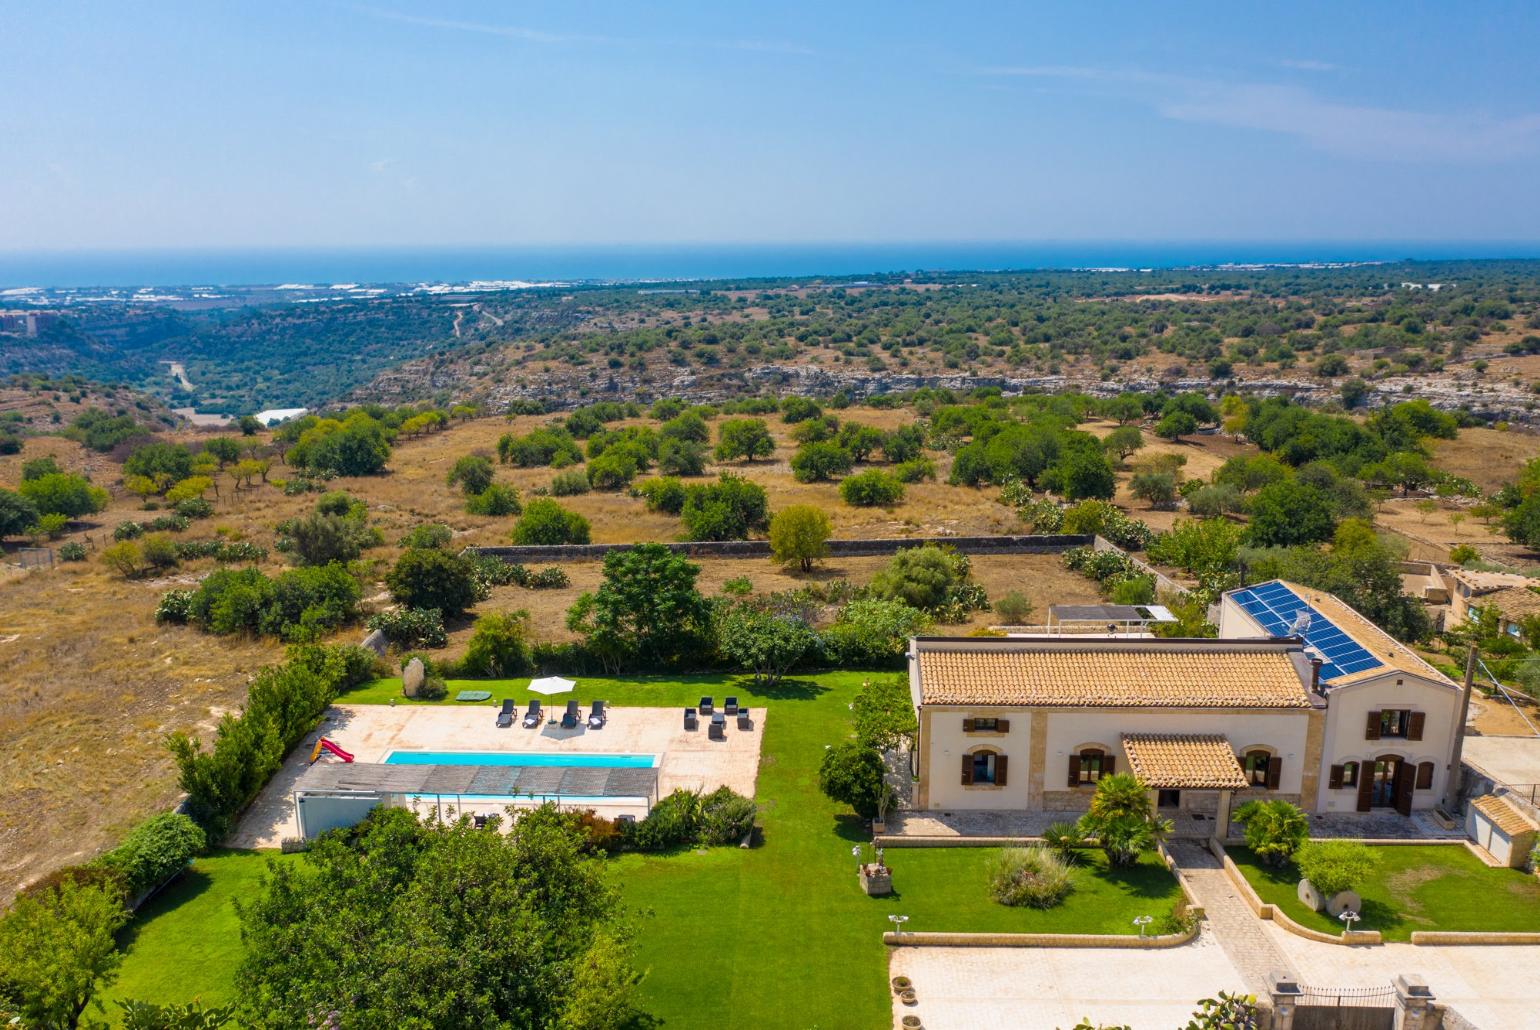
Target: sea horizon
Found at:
323, 266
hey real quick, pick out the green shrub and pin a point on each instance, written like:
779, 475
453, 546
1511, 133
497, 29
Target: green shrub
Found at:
873, 488
411, 627
175, 607
1334, 866
673, 822
127, 530
725, 510
569, 483
854, 774
155, 850
1034, 877
1065, 840
1275, 830
499, 646
434, 579
194, 508
916, 470
664, 494
72, 551
726, 817
816, 462
497, 499
546, 522
429, 535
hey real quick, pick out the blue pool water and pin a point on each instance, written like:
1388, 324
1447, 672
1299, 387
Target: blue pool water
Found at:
587, 761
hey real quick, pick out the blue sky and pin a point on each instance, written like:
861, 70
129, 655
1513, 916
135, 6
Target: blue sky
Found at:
327, 124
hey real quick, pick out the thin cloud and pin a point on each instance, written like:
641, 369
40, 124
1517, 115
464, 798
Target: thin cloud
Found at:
1307, 64
541, 36
1354, 130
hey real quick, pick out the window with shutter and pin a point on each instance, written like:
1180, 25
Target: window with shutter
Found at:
1109, 765
1372, 727
1003, 725
967, 725
1414, 725
1256, 766
1000, 763
1424, 775
1074, 770
967, 770
1350, 774
1274, 772
1334, 778
1365, 792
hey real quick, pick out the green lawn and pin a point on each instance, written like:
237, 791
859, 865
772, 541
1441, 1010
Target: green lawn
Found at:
947, 889
186, 942
1417, 887
778, 936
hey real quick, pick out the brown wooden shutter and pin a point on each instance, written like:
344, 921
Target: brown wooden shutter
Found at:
1000, 763
1334, 778
1372, 730
1405, 777
1425, 776
1109, 765
1414, 725
967, 772
1003, 725
1074, 770
967, 725
1365, 785
1274, 772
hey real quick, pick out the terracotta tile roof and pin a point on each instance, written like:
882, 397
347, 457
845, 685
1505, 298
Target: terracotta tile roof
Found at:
1513, 603
1172, 761
1504, 815
1379, 643
1483, 582
1138, 673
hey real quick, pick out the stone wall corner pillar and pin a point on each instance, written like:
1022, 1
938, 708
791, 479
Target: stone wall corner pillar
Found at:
1414, 1004
1285, 992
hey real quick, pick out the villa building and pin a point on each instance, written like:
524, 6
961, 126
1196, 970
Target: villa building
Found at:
1300, 698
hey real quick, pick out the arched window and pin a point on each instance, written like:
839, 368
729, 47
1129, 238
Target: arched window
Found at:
1350, 774
1262, 767
984, 767
1088, 764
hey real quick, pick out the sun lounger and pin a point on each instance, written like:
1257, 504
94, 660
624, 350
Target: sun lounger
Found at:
730, 706
690, 721
707, 706
505, 717
596, 715
744, 722
569, 718
532, 717
718, 729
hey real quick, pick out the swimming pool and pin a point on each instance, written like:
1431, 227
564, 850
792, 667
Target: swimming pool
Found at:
580, 760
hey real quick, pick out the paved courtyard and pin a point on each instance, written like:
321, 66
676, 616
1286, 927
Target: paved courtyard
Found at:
1050, 988
1508, 759
689, 758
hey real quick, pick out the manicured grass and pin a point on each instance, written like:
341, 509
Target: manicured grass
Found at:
186, 942
1417, 887
777, 936
948, 889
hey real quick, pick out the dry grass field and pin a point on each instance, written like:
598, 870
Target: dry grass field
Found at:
93, 685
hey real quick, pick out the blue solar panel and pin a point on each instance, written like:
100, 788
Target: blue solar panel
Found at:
1276, 609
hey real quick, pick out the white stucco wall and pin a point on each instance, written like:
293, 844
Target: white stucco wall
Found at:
1235, 624
1284, 732
1347, 713
948, 743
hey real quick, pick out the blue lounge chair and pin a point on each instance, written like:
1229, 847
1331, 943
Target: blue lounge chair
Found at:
505, 717
533, 716
569, 718
597, 715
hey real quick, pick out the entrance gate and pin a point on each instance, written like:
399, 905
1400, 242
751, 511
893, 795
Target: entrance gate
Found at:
1348, 1008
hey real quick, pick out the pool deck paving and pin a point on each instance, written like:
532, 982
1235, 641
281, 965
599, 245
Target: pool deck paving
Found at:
689, 759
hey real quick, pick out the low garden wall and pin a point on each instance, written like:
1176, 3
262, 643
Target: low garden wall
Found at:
926, 939
1021, 544
1472, 937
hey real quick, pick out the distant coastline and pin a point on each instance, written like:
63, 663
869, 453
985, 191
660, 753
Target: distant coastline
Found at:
647, 263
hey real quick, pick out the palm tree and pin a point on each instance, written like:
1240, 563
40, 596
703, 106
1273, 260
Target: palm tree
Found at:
1121, 819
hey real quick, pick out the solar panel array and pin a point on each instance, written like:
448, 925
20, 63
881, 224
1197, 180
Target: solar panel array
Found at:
1277, 609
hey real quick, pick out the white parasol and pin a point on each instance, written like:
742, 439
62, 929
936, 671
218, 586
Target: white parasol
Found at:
551, 685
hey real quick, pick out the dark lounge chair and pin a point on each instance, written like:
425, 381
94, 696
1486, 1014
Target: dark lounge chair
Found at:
707, 706
596, 715
570, 717
532, 717
718, 729
505, 717
690, 721
744, 722
730, 706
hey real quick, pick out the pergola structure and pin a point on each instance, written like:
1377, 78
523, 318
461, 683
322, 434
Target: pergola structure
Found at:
1198, 761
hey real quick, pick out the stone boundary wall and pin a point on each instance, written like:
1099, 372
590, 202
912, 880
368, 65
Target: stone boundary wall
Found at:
1473, 937
939, 841
1023, 544
923, 939
1164, 584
